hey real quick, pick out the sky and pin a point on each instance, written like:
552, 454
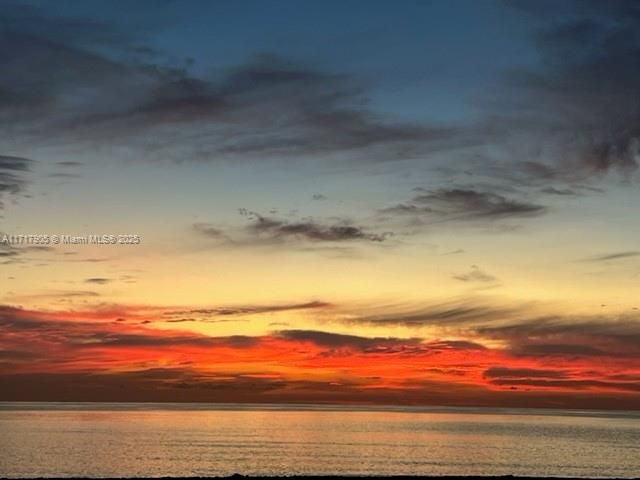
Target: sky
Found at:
374, 202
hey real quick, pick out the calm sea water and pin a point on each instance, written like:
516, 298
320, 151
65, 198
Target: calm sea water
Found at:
183, 440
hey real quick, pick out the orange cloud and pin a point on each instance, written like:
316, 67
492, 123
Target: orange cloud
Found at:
85, 355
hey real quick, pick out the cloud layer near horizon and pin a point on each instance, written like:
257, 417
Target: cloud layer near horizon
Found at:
544, 360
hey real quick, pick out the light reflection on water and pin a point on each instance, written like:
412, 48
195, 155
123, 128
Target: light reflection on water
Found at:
184, 440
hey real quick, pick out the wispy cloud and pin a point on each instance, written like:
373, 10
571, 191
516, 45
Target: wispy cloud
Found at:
276, 229
455, 312
243, 310
270, 230
523, 329
83, 83
574, 117
613, 256
98, 280
336, 340
12, 175
10, 253
465, 205
476, 274
505, 372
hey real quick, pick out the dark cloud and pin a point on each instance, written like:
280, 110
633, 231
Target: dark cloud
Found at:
505, 372
16, 164
12, 175
18, 253
69, 164
204, 313
7, 252
336, 340
56, 296
62, 332
116, 339
555, 349
70, 81
567, 192
570, 384
268, 230
522, 332
98, 280
567, 336
456, 345
447, 371
459, 312
16, 319
337, 343
613, 256
575, 116
571, 190
210, 231
32, 330
31, 21
64, 175
17, 355
454, 252
76, 83
311, 112
42, 68
465, 204
476, 274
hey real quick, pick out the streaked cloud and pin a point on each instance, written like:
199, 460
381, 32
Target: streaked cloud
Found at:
81, 82
522, 329
276, 229
465, 205
205, 313
573, 117
505, 372
335, 340
476, 274
613, 256
98, 280
270, 230
13, 171
337, 366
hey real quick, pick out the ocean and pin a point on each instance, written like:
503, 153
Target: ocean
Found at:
129, 439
